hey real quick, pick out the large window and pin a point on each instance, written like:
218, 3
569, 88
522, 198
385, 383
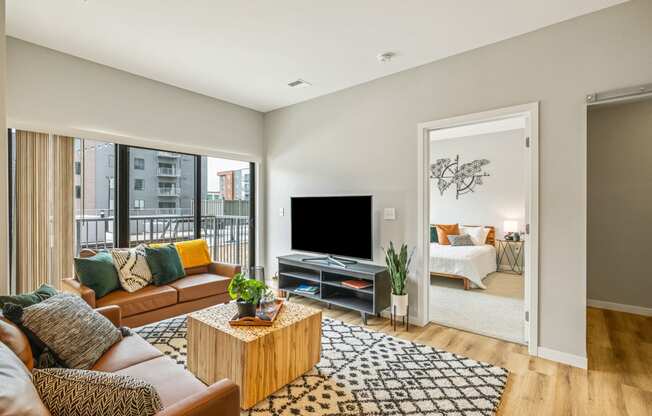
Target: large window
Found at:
166, 196
227, 209
94, 194
169, 206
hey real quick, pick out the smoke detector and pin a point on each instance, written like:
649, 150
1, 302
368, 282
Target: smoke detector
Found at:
385, 57
299, 83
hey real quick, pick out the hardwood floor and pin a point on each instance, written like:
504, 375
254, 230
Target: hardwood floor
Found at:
618, 382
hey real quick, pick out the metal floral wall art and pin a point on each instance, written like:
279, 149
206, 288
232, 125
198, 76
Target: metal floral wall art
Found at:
465, 177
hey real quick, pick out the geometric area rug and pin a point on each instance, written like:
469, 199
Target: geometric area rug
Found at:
367, 373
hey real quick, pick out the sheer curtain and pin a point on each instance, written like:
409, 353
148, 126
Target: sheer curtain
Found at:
44, 223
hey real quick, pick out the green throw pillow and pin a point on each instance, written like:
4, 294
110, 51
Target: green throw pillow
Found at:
31, 298
165, 264
98, 273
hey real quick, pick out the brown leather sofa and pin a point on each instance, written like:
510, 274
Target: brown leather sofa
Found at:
181, 393
202, 287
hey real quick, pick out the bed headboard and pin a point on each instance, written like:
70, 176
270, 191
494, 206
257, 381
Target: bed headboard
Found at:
491, 235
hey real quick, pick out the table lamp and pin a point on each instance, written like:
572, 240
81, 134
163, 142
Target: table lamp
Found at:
510, 227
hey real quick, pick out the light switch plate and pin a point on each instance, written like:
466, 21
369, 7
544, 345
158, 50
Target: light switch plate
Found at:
281, 212
389, 214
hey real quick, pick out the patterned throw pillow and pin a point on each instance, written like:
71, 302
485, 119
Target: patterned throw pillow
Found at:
460, 240
64, 331
133, 270
68, 392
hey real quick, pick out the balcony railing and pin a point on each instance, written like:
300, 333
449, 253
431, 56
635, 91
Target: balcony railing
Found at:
227, 236
168, 172
173, 191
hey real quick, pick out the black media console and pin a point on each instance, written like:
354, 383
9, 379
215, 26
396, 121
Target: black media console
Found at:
293, 271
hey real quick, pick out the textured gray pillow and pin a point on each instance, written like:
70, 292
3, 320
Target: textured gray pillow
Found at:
460, 240
68, 392
76, 334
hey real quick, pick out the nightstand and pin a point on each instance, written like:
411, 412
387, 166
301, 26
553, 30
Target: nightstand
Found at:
513, 252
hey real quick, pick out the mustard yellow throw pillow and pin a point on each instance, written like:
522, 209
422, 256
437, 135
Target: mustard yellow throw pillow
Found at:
193, 253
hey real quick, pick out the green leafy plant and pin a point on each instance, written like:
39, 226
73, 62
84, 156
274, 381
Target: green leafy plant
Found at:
246, 290
397, 267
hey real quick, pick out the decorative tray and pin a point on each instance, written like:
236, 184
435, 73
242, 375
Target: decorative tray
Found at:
261, 318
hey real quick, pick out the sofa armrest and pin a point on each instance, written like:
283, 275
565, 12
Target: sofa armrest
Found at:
224, 269
112, 313
219, 399
75, 287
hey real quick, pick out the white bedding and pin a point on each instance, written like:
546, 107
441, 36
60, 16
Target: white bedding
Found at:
472, 262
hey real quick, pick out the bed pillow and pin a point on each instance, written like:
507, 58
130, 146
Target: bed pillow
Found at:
81, 392
478, 234
433, 234
133, 270
444, 230
460, 240
98, 273
31, 298
64, 331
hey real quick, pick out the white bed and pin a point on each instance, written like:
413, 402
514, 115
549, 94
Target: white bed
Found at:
468, 262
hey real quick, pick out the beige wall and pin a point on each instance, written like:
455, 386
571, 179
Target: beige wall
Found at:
363, 140
620, 203
55, 92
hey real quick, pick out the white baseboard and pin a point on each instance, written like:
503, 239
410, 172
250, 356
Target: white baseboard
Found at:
620, 307
563, 357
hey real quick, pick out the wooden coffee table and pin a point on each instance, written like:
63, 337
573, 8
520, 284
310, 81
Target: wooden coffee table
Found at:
260, 360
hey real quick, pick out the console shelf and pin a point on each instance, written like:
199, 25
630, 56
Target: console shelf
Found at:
294, 271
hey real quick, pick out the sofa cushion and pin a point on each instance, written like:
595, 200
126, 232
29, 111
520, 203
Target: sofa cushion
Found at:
15, 339
196, 270
170, 380
130, 351
98, 273
200, 286
31, 298
133, 271
193, 253
146, 299
64, 330
165, 264
18, 397
81, 392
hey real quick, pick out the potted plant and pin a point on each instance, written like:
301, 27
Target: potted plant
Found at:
397, 267
247, 293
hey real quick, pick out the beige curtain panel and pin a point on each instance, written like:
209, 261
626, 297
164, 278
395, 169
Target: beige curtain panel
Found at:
44, 209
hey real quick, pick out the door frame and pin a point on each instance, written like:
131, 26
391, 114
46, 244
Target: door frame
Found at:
530, 112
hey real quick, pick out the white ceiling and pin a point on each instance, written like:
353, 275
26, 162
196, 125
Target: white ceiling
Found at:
246, 52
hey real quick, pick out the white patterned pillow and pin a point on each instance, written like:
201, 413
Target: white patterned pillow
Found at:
67, 392
133, 270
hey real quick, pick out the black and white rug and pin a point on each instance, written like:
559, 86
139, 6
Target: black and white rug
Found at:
367, 373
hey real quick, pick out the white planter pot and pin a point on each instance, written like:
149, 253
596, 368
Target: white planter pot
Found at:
401, 304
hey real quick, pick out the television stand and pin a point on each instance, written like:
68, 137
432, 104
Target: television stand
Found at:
331, 260
327, 279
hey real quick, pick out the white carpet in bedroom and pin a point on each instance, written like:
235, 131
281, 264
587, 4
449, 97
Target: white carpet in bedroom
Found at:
496, 312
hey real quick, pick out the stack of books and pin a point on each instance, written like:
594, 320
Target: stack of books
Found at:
309, 289
357, 284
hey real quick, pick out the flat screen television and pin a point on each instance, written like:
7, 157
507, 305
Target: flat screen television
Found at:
333, 225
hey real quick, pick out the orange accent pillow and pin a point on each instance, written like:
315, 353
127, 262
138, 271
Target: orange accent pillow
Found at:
193, 253
444, 230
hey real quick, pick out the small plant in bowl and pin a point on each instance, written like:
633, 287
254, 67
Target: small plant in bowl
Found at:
247, 293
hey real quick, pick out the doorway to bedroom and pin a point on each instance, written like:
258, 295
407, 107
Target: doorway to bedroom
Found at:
478, 193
